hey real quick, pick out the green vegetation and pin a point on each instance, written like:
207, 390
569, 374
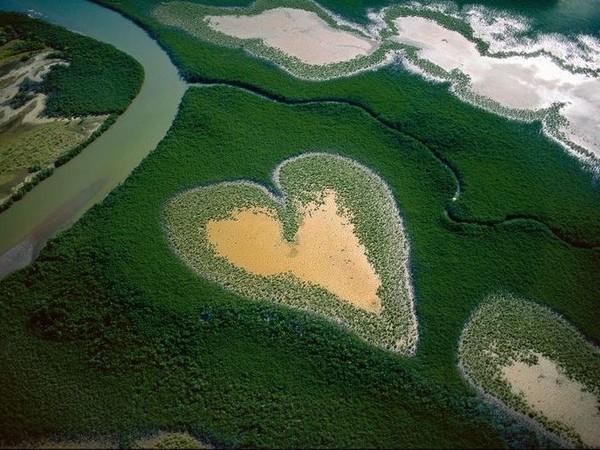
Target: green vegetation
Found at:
85, 86
170, 440
109, 332
37, 146
505, 168
137, 338
88, 84
302, 180
189, 17
506, 329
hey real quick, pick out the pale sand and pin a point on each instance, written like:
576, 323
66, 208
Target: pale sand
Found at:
298, 33
326, 251
517, 82
546, 388
36, 68
170, 440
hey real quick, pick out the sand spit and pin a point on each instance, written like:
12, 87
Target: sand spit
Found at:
547, 389
326, 252
26, 250
16, 257
522, 82
296, 32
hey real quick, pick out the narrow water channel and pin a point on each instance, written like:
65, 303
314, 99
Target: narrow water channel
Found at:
60, 200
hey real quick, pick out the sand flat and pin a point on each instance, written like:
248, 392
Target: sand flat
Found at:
326, 252
298, 33
516, 82
547, 389
35, 68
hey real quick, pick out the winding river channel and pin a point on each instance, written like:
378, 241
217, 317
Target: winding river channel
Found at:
60, 200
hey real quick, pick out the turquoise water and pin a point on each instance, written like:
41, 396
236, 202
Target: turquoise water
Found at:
61, 199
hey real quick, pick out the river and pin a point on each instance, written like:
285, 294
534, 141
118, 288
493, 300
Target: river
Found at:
60, 200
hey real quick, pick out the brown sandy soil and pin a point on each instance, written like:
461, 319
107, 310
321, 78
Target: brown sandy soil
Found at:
298, 33
326, 251
546, 388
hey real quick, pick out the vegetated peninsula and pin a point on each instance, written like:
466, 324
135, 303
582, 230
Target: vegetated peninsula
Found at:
58, 91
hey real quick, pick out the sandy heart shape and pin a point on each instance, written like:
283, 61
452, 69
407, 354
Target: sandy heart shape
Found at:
333, 245
326, 252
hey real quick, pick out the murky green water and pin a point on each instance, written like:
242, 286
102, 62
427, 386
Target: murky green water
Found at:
61, 199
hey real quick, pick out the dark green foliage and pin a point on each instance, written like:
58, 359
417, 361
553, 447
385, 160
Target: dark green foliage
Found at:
151, 344
507, 169
110, 332
98, 79
27, 90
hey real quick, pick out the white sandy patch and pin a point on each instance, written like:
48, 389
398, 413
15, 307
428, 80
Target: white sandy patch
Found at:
298, 33
517, 82
546, 388
35, 68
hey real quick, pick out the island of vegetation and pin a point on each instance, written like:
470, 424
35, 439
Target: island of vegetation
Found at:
535, 363
59, 91
301, 36
334, 245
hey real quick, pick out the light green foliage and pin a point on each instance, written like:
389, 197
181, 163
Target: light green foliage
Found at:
506, 329
171, 441
137, 339
301, 180
190, 17
79, 89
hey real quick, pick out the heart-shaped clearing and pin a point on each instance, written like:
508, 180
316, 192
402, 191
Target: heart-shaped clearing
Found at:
326, 251
334, 245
